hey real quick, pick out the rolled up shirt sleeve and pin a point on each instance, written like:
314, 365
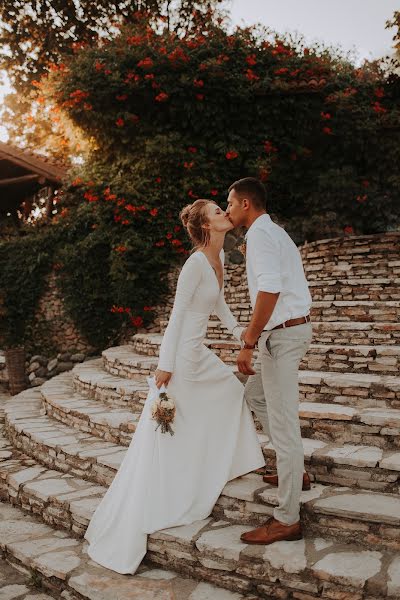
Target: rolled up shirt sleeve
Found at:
265, 257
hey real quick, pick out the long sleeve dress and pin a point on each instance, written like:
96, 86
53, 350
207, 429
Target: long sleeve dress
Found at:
166, 481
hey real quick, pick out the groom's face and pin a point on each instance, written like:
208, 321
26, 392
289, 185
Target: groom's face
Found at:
235, 210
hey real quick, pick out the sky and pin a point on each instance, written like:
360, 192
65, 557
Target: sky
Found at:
352, 24
355, 25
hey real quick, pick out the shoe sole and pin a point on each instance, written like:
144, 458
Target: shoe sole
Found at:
292, 538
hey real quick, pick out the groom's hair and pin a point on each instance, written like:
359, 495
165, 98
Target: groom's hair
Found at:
253, 189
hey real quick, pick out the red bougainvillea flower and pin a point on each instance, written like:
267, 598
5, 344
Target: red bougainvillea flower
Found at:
191, 194
199, 83
326, 116
160, 243
200, 97
222, 58
177, 228
98, 66
79, 95
188, 165
121, 249
251, 60
148, 308
120, 122
154, 212
107, 72
117, 218
192, 149
231, 155
362, 199
146, 63
169, 236
122, 97
379, 92
137, 321
125, 222
149, 76
214, 192
86, 106
90, 196
176, 242
348, 230
178, 54
134, 40
108, 195
77, 181
118, 309
378, 108
327, 130
251, 76
281, 71
269, 147
131, 208
158, 180
162, 97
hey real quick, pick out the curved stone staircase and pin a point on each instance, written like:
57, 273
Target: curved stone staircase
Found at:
62, 444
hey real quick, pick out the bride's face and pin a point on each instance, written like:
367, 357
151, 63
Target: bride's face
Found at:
217, 219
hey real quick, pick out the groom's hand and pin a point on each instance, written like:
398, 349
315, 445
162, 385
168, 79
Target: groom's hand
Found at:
244, 361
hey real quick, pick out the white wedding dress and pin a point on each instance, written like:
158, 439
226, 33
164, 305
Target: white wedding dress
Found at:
165, 480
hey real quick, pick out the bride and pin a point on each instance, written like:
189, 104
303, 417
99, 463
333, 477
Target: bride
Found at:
165, 480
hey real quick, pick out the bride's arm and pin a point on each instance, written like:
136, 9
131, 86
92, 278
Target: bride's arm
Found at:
224, 313
188, 281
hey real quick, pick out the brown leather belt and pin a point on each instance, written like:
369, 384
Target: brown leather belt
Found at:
293, 322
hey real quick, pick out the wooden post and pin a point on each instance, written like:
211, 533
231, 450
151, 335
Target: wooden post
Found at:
49, 202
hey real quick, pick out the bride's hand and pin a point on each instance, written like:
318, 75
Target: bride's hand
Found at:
162, 377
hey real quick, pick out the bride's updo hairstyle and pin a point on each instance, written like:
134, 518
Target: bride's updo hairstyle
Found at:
194, 217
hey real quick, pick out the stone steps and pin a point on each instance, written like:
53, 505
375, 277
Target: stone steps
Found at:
374, 289
68, 501
358, 389
331, 422
345, 268
324, 421
359, 311
348, 312
331, 453
321, 357
347, 333
88, 416
59, 563
364, 248
209, 550
353, 389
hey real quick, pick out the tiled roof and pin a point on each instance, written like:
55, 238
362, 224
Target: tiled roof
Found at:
32, 162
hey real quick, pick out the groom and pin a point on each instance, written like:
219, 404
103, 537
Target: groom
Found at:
280, 327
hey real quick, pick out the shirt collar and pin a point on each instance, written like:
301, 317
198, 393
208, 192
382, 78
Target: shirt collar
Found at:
261, 219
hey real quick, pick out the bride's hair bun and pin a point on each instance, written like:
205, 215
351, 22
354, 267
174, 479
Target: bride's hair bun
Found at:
185, 215
194, 217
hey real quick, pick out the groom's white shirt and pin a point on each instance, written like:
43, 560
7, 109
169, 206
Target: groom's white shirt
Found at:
274, 264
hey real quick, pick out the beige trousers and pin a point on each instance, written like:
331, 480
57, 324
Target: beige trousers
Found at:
273, 395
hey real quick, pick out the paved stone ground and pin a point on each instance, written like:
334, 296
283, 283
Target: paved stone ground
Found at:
20, 586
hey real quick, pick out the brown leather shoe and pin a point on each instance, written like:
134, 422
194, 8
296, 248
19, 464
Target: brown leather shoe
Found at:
273, 531
272, 479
